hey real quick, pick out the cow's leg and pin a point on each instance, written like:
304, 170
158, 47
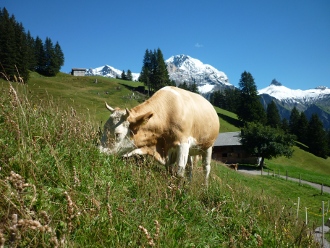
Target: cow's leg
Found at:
171, 159
190, 166
182, 158
207, 163
146, 151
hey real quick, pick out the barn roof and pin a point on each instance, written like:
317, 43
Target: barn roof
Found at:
228, 139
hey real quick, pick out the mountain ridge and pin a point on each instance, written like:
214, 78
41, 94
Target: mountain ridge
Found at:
309, 102
281, 92
183, 68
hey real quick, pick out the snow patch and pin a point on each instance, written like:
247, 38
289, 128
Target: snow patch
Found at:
281, 92
205, 88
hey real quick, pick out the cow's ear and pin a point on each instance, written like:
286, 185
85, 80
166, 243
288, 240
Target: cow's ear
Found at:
140, 119
145, 118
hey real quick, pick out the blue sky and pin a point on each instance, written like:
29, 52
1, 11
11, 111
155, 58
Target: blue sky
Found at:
286, 40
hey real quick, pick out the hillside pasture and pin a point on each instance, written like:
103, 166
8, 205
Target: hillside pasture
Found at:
58, 190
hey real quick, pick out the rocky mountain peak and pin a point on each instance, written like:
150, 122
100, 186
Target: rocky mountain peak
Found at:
183, 68
275, 82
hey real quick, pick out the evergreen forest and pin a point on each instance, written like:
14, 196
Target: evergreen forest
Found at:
245, 102
21, 53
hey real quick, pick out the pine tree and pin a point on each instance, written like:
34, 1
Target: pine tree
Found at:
231, 99
250, 108
22, 62
39, 55
328, 138
294, 121
161, 76
285, 125
226, 99
317, 141
123, 75
193, 88
13, 48
214, 98
31, 54
59, 57
218, 98
146, 70
50, 65
19, 52
273, 117
184, 85
129, 75
7, 44
154, 72
302, 131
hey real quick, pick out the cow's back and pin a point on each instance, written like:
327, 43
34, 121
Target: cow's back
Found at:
182, 114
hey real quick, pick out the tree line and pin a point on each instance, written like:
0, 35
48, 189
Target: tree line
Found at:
126, 76
261, 123
21, 53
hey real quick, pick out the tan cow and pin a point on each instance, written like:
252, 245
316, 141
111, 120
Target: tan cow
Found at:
173, 125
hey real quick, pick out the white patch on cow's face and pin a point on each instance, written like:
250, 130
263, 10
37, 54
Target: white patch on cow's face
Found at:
116, 133
171, 90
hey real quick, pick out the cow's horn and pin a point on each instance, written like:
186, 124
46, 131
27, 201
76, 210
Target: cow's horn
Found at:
127, 112
109, 108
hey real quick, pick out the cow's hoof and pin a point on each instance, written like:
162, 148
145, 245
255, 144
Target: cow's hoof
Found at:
180, 173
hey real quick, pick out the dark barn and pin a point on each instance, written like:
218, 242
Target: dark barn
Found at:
229, 150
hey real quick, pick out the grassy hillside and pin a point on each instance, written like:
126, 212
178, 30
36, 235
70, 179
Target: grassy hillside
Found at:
87, 98
83, 94
58, 190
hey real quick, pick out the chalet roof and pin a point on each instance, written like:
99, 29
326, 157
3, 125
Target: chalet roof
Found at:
78, 69
228, 139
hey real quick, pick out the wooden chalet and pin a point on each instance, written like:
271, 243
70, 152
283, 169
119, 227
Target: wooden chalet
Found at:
78, 72
228, 149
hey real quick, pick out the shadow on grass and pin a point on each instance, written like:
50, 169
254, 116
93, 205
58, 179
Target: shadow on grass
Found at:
252, 167
302, 146
230, 120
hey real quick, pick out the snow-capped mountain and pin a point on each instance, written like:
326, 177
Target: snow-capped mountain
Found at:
108, 71
183, 68
280, 92
308, 101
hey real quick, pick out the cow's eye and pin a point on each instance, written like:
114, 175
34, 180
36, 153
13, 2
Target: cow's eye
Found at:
117, 135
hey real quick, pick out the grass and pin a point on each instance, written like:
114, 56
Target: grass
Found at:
83, 94
303, 164
228, 121
58, 190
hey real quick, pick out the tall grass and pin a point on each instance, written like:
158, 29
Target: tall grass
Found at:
57, 190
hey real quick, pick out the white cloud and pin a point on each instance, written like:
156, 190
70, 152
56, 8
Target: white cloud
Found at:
198, 45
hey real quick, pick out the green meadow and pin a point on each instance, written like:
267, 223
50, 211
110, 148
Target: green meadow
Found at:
59, 191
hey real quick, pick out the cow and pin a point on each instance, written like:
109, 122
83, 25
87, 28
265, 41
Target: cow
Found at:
172, 126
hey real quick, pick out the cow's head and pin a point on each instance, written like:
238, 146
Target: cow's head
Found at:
119, 130
115, 137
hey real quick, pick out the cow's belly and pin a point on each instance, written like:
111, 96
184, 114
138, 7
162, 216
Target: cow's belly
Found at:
184, 149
